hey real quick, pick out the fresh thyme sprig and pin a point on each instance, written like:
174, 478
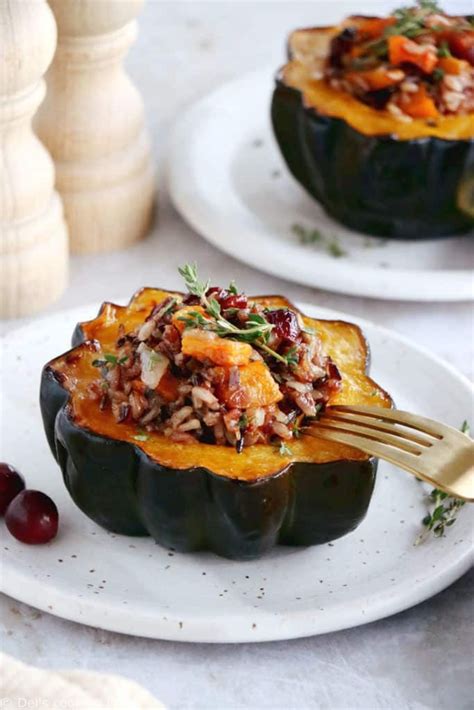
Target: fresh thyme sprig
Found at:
444, 511
256, 330
442, 516
409, 22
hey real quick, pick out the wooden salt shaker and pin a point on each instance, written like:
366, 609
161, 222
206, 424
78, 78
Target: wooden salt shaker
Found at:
92, 122
33, 243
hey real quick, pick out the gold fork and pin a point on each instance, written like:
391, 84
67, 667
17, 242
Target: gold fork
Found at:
436, 453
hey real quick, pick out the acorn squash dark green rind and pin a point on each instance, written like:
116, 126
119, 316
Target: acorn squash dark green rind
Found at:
404, 189
120, 488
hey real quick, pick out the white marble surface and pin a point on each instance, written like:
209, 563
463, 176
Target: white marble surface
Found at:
421, 658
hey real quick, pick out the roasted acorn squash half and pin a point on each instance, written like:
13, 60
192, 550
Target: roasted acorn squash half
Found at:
370, 171
204, 496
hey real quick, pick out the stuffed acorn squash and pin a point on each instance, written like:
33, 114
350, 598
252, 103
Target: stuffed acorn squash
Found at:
185, 417
375, 118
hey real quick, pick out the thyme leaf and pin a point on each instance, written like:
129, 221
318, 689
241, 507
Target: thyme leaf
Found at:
291, 356
109, 359
314, 236
255, 331
141, 436
284, 450
443, 49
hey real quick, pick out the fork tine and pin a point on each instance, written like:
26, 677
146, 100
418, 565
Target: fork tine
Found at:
391, 427
369, 446
423, 424
372, 433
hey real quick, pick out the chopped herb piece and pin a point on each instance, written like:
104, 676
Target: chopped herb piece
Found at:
313, 236
335, 249
98, 363
443, 49
305, 235
141, 436
109, 359
233, 289
243, 421
283, 449
291, 356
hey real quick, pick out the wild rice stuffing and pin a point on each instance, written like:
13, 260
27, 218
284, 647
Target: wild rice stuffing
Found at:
214, 367
415, 64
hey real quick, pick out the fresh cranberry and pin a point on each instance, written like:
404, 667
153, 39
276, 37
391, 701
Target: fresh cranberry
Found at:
286, 324
226, 299
32, 517
11, 483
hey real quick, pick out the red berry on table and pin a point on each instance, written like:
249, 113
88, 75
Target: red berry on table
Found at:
11, 483
32, 517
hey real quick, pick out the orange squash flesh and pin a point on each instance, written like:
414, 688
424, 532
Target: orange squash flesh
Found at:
344, 342
309, 49
203, 345
256, 387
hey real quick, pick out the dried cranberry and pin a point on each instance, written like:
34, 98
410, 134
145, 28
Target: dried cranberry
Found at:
226, 299
341, 44
286, 324
32, 517
191, 300
333, 371
11, 483
461, 45
378, 99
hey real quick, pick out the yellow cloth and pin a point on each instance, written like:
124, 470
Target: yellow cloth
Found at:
23, 686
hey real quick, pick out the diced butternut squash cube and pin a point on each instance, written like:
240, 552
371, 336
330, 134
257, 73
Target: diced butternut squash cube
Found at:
168, 387
419, 105
255, 387
205, 345
403, 50
452, 65
186, 311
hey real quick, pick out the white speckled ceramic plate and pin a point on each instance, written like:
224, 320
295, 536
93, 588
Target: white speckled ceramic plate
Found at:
132, 585
229, 181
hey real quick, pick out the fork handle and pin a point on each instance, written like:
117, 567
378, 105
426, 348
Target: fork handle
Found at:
461, 486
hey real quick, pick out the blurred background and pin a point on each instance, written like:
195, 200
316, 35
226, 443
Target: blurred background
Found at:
183, 51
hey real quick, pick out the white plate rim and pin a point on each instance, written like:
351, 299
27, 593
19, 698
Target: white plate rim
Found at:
339, 276
209, 629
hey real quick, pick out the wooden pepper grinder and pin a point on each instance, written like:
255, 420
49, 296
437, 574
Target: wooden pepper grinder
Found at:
92, 122
33, 244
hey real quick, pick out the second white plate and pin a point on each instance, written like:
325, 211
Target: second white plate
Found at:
228, 180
